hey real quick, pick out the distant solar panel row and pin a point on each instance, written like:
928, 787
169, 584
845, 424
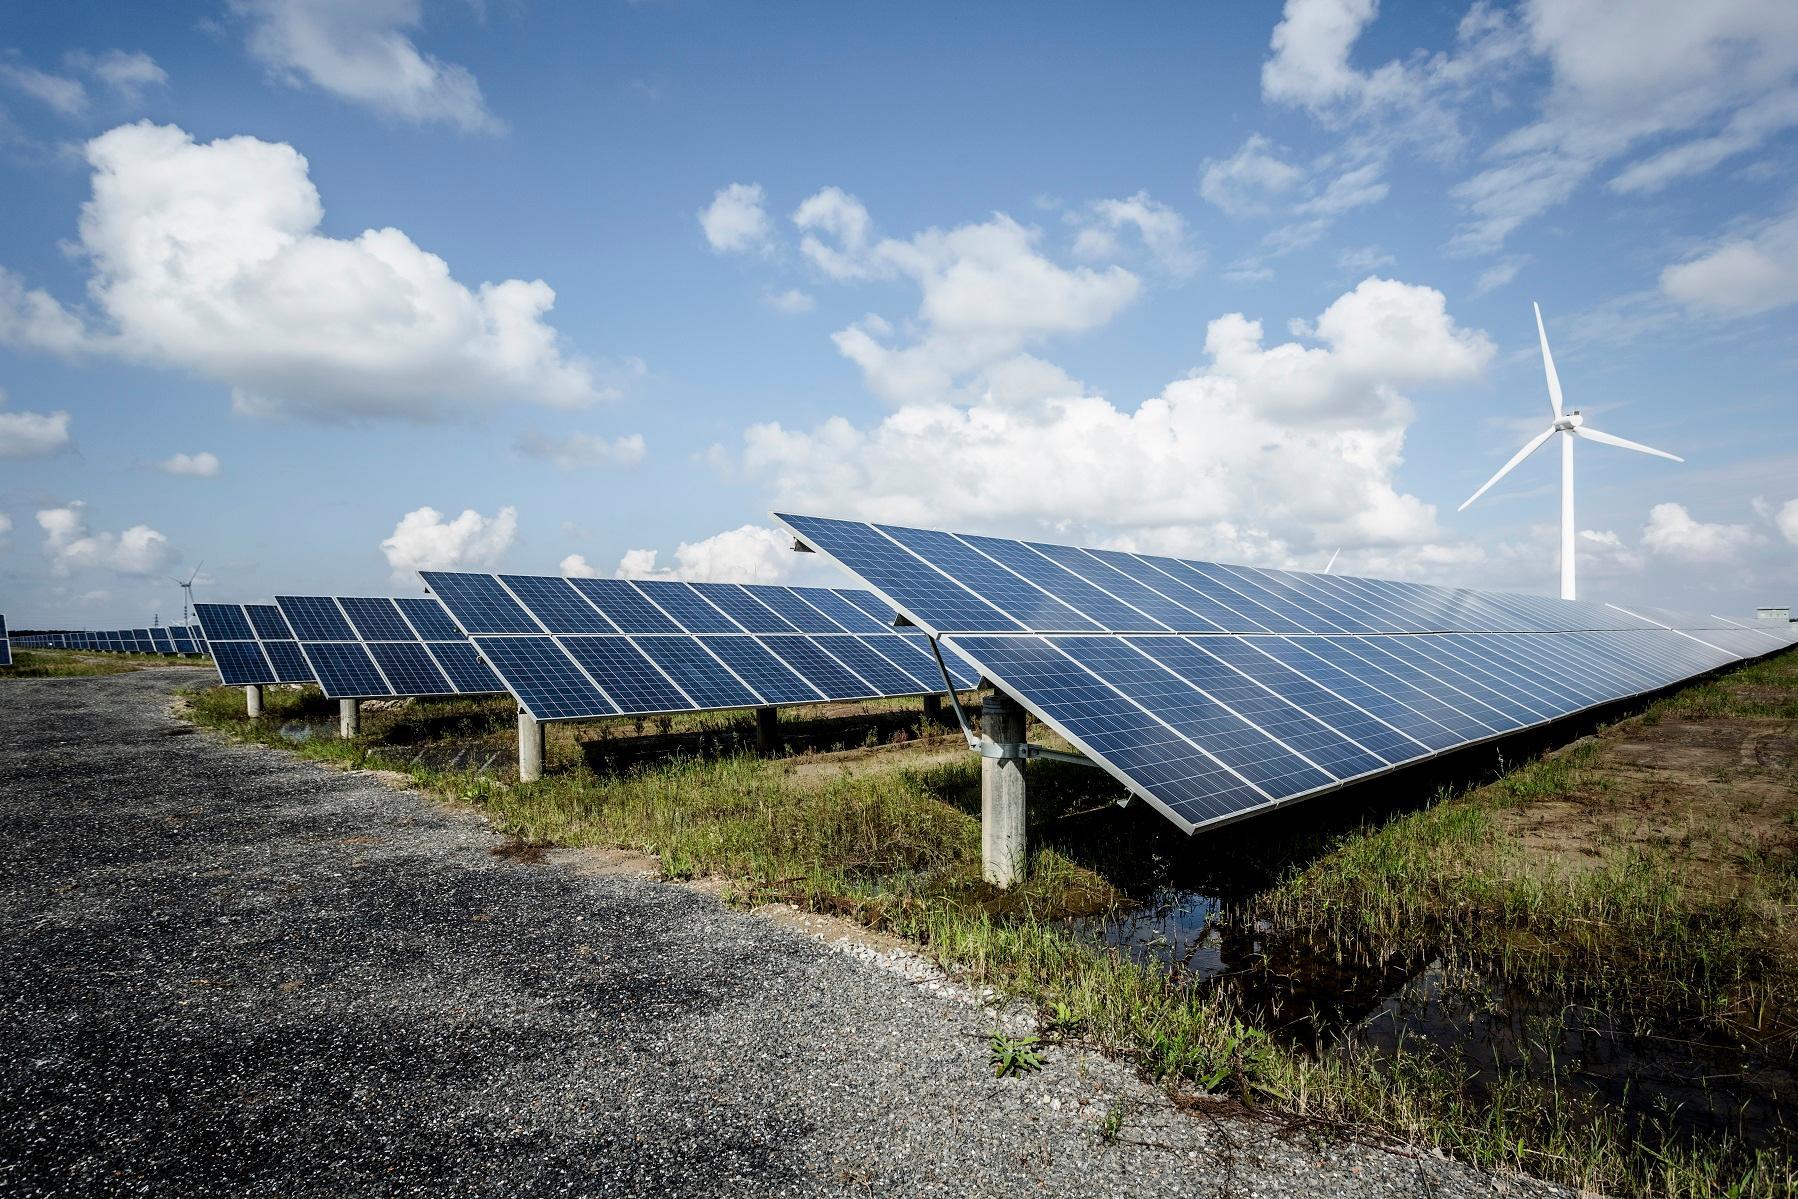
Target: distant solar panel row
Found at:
361, 647
158, 639
572, 649
1217, 691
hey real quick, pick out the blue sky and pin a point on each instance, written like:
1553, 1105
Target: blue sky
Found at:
594, 287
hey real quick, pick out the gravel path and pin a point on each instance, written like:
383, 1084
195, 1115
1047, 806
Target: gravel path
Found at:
229, 972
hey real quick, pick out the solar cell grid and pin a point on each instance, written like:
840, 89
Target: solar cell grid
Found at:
744, 608
631, 680
375, 619
428, 619
688, 609
315, 618
625, 606
557, 606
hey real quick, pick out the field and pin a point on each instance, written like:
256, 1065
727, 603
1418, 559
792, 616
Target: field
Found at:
66, 664
1579, 964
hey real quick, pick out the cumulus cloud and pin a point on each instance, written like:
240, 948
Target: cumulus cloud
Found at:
1673, 533
361, 51
751, 554
1786, 520
1250, 180
1266, 451
71, 545
575, 566
986, 293
1743, 275
791, 302
1161, 231
582, 451
32, 434
424, 540
129, 75
203, 465
206, 257
735, 220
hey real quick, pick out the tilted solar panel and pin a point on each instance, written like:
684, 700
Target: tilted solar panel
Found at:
5, 644
573, 649
252, 644
367, 647
1217, 691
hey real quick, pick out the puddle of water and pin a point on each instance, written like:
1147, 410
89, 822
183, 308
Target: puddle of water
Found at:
1328, 1003
296, 732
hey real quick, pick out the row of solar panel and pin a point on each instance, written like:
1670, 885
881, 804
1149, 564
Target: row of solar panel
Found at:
5, 644
965, 583
174, 640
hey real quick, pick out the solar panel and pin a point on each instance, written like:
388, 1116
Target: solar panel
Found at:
573, 649
1217, 691
251, 644
5, 644
364, 647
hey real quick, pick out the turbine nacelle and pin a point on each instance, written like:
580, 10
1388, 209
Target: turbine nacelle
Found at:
1570, 422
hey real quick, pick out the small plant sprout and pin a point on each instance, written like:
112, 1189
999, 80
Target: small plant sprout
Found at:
1013, 1055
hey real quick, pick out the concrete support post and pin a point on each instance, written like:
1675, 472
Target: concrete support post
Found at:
252, 700
767, 730
349, 718
933, 709
530, 748
1002, 847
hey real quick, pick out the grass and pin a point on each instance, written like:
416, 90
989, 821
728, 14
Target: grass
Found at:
68, 664
1627, 923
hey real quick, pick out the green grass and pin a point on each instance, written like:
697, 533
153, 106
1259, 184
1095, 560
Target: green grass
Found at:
68, 664
898, 849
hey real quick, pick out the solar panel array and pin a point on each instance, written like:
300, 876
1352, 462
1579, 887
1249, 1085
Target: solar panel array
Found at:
170, 640
576, 649
362, 647
1218, 691
251, 644
5, 644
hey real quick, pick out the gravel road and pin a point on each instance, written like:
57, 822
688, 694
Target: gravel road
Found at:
229, 972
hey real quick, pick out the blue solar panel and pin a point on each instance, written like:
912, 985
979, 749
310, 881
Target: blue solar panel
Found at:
742, 607
266, 619
631, 680
1028, 604
465, 668
692, 613
702, 676
160, 638
896, 572
817, 666
556, 605
1150, 600
796, 611
479, 603
240, 663
315, 618
428, 620
876, 609
625, 606
545, 680
343, 669
409, 670
290, 665
772, 679
886, 678
845, 614
375, 619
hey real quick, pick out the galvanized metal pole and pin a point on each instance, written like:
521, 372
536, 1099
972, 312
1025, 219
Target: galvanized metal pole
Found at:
1002, 843
530, 747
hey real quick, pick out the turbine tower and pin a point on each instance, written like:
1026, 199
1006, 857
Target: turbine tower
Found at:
187, 592
1570, 425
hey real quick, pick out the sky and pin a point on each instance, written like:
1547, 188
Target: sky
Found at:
320, 293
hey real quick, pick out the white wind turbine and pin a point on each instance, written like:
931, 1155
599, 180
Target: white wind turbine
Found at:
187, 592
1570, 425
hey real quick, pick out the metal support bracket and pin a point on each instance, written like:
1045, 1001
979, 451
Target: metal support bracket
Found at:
990, 749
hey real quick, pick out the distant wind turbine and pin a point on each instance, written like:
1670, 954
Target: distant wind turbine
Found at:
187, 591
1570, 425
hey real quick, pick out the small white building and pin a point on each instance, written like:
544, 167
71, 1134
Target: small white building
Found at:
1778, 614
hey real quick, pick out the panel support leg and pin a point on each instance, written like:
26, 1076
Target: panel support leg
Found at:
1002, 845
349, 718
530, 748
767, 730
252, 700
933, 709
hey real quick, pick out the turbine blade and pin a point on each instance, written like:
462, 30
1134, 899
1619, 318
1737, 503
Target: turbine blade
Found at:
1548, 364
1332, 561
1592, 434
1529, 447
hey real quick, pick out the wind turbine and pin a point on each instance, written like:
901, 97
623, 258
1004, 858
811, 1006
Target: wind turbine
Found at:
187, 591
1570, 425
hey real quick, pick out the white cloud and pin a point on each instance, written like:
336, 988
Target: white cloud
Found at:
129, 75
1251, 180
360, 51
751, 554
1787, 521
579, 451
1354, 188
71, 546
1672, 532
791, 302
58, 92
207, 257
423, 540
1743, 275
1497, 275
1161, 230
575, 566
1266, 452
203, 465
1309, 65
986, 293
1363, 259
735, 220
32, 434
5, 528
